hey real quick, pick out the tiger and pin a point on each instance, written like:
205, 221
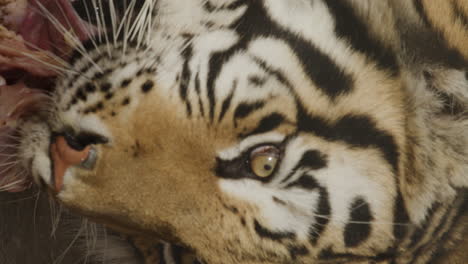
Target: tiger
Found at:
266, 131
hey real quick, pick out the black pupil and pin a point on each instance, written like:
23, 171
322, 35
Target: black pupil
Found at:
267, 167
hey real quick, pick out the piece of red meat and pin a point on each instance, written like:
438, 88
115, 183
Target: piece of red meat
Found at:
18, 101
31, 45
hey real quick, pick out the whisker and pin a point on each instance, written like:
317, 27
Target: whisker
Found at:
20, 200
58, 59
60, 258
55, 68
101, 13
54, 215
35, 211
11, 184
68, 35
113, 21
365, 222
124, 26
10, 163
91, 36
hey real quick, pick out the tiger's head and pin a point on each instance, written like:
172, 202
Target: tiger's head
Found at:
240, 131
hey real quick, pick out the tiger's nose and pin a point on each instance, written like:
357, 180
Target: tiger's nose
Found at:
63, 156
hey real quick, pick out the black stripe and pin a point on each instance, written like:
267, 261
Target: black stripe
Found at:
321, 69
295, 251
441, 51
442, 233
197, 83
200, 106
256, 80
198, 91
418, 5
462, 210
329, 77
227, 102
88, 46
459, 14
311, 159
266, 233
185, 76
236, 4
322, 216
245, 109
419, 232
217, 60
87, 66
329, 255
350, 27
209, 7
267, 124
356, 130
305, 182
356, 233
400, 218
275, 73
279, 201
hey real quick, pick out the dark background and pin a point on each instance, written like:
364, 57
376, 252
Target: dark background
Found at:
26, 231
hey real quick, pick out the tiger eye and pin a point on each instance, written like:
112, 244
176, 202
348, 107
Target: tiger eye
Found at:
263, 161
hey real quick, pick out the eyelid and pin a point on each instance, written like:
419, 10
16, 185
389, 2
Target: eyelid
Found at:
249, 143
265, 149
79, 141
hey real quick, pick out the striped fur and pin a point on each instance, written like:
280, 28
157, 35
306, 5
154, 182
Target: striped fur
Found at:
366, 101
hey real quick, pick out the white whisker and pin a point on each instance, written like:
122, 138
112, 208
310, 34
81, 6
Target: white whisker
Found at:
60, 258
103, 21
90, 34
68, 35
11, 184
113, 21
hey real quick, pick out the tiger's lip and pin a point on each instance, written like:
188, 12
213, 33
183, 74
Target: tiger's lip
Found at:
62, 157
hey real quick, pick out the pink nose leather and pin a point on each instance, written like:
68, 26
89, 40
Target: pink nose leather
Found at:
63, 156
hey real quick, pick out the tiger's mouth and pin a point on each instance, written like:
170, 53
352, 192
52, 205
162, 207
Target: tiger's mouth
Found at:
32, 50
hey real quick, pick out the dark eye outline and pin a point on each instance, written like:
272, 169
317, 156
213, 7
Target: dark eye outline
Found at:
79, 141
82, 140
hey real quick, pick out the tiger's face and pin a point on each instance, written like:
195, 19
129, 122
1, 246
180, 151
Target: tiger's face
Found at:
234, 131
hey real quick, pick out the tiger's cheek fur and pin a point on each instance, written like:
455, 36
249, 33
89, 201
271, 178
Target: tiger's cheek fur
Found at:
144, 185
